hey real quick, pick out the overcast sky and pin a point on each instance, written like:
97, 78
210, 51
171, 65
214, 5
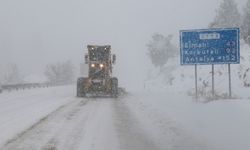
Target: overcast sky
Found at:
34, 33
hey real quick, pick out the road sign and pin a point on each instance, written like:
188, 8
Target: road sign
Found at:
210, 46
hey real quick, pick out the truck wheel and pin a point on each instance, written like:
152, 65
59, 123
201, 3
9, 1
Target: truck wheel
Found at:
80, 87
114, 89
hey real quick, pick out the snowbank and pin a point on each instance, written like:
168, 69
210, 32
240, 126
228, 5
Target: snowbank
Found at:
218, 125
182, 78
223, 123
20, 110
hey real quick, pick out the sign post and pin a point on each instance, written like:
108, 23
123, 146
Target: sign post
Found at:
196, 86
213, 82
210, 47
229, 77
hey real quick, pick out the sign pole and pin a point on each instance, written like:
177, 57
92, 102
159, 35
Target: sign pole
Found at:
196, 87
229, 76
213, 81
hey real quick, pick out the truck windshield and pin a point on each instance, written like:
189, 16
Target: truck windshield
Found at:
99, 55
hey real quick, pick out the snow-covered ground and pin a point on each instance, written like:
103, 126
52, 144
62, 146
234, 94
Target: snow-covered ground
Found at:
220, 125
53, 118
19, 110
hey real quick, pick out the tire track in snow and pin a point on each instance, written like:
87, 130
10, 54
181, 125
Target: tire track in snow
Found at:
83, 124
36, 135
167, 133
72, 130
22, 134
130, 133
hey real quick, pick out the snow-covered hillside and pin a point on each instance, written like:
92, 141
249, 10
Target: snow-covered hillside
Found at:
182, 78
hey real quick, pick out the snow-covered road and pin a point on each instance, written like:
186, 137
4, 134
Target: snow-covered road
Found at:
54, 119
76, 125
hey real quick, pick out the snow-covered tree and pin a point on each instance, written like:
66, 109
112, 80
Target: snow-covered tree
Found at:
245, 32
10, 74
60, 73
227, 15
160, 49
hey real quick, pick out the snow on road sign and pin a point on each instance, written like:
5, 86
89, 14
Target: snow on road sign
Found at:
210, 46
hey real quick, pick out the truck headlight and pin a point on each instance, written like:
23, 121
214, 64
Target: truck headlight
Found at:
101, 65
92, 65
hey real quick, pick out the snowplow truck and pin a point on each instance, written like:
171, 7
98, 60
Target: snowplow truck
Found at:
99, 81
